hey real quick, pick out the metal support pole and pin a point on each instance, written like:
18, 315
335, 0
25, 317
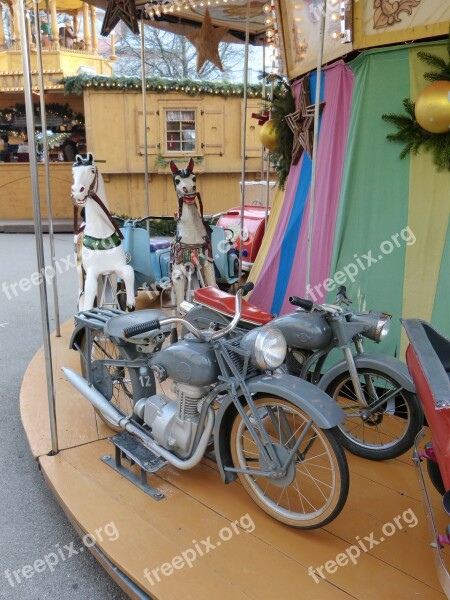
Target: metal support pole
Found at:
47, 168
144, 116
38, 226
244, 135
312, 193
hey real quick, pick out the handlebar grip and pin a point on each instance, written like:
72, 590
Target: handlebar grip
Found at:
246, 288
141, 328
302, 303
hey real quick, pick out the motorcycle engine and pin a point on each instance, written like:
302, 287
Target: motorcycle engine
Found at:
173, 422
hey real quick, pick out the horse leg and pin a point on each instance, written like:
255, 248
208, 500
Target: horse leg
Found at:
208, 274
90, 288
127, 274
179, 284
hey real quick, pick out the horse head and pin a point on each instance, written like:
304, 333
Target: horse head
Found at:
184, 182
85, 174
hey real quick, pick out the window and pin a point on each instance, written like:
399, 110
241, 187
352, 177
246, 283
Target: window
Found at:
180, 131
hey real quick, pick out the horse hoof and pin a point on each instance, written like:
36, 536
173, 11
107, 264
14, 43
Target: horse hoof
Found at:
131, 308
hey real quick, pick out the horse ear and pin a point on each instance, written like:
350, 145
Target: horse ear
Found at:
79, 159
191, 165
90, 158
173, 167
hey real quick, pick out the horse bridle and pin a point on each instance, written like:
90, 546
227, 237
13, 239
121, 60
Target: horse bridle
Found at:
91, 193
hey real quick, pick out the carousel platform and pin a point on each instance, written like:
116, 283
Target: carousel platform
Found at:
176, 548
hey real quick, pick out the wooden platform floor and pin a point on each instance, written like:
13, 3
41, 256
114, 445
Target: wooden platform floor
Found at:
270, 562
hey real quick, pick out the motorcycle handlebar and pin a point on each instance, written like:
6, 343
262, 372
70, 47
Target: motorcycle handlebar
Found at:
201, 335
246, 288
141, 328
307, 305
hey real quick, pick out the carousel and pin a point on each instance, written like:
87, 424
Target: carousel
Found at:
192, 419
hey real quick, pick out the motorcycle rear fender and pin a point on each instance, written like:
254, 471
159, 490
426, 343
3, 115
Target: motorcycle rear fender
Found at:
77, 336
309, 398
389, 365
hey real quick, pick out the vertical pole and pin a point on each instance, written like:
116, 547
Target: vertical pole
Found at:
244, 135
38, 228
54, 22
46, 165
94, 29
312, 193
144, 120
15, 8
2, 29
76, 29
86, 32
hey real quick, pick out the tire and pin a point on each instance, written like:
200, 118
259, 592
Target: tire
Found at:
316, 488
119, 385
386, 432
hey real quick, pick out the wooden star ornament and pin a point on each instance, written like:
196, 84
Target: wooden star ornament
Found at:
206, 40
120, 10
301, 123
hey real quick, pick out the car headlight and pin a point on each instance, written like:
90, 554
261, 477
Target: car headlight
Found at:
375, 326
267, 346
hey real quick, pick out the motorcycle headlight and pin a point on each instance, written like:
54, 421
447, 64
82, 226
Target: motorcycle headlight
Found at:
267, 346
375, 325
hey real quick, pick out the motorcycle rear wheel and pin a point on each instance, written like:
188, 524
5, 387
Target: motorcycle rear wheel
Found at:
390, 430
316, 485
117, 382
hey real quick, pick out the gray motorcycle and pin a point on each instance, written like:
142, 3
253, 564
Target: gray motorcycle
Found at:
273, 431
382, 412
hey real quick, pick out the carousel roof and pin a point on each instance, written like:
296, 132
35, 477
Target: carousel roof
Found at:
184, 16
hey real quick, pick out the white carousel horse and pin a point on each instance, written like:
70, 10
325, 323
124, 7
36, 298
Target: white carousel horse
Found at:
191, 249
101, 252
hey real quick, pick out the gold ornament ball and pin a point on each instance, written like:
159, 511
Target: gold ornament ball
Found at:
269, 135
433, 107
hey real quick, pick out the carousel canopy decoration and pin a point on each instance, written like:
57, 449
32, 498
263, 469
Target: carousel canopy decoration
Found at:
120, 10
206, 41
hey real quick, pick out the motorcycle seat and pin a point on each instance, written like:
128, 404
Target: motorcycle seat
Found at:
159, 243
225, 303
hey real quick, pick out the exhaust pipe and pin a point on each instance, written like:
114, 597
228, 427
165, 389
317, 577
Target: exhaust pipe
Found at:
102, 405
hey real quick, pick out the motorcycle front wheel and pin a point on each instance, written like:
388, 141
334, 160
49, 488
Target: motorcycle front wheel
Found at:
315, 487
116, 383
388, 427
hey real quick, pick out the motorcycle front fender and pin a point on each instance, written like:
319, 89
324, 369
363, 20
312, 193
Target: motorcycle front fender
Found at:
389, 365
302, 394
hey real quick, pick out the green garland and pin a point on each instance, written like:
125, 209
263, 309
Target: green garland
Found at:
190, 87
68, 116
283, 103
408, 129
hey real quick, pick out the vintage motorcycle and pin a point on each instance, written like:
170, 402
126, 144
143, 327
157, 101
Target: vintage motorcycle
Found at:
274, 432
382, 412
428, 360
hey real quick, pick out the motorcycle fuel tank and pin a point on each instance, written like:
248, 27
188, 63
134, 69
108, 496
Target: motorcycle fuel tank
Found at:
304, 330
189, 362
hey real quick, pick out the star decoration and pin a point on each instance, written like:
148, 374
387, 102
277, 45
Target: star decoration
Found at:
301, 123
120, 10
206, 40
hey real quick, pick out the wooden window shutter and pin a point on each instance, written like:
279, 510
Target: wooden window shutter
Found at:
152, 131
214, 130
253, 142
